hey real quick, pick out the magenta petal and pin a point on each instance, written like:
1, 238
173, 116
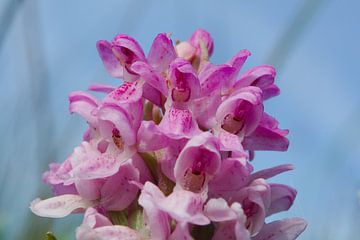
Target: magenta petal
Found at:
162, 53
127, 48
245, 105
58, 207
267, 136
84, 104
150, 76
153, 95
99, 87
111, 63
179, 123
117, 193
282, 198
239, 59
184, 82
214, 77
255, 200
271, 172
287, 229
262, 77
232, 176
200, 156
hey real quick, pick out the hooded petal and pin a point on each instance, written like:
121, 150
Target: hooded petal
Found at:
184, 83
113, 117
162, 53
111, 63
85, 105
255, 200
282, 198
287, 229
198, 162
151, 76
59, 206
262, 77
241, 113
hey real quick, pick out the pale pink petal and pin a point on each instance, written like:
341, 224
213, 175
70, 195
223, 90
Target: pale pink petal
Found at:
117, 193
59, 206
185, 50
158, 221
83, 104
179, 123
218, 210
287, 229
150, 137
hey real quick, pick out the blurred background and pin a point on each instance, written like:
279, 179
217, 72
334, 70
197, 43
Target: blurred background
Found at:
47, 49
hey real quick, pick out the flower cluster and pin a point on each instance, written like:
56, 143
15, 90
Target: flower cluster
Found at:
167, 154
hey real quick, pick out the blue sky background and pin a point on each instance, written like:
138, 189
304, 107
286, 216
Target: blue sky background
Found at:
47, 49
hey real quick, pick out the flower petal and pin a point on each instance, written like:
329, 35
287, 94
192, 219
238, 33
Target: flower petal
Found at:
83, 104
287, 229
117, 193
59, 206
267, 136
99, 87
282, 198
179, 123
162, 53
111, 63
